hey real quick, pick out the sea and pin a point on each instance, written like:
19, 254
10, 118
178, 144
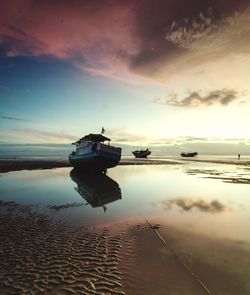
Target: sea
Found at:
61, 151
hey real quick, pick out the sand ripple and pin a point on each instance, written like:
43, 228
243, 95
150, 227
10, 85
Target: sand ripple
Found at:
40, 256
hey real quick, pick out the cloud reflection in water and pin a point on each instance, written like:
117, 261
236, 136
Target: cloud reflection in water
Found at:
213, 206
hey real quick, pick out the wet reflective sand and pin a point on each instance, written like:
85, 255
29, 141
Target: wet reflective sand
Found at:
63, 232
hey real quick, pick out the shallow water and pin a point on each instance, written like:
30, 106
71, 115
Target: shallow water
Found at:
181, 194
198, 206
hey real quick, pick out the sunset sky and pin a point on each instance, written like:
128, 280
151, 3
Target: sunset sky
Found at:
151, 72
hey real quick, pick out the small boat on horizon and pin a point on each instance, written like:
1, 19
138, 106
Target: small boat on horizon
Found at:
189, 155
141, 153
93, 154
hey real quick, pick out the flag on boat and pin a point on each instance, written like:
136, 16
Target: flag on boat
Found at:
103, 130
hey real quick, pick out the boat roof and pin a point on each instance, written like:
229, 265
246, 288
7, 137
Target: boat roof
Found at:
93, 137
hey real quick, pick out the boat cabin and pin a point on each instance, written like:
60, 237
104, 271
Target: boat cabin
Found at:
92, 138
93, 143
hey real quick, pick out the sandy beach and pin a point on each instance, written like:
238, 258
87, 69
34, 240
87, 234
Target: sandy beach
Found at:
39, 255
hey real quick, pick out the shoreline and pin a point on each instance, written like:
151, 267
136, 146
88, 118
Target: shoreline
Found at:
17, 164
7, 165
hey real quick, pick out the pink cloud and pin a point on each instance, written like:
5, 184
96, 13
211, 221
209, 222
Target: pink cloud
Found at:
121, 39
97, 37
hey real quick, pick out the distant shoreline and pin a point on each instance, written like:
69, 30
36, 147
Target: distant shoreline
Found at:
17, 164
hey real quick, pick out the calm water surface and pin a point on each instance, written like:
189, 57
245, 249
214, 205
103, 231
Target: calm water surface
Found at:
196, 196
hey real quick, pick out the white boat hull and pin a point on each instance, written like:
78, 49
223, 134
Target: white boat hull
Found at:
95, 161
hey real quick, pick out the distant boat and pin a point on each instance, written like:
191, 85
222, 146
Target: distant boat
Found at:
97, 190
190, 155
141, 153
92, 154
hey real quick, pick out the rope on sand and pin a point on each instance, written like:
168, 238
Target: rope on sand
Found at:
179, 259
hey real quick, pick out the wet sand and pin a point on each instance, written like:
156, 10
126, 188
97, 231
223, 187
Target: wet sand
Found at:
31, 164
223, 265
41, 255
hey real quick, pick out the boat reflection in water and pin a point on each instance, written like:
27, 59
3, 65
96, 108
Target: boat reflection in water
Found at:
97, 189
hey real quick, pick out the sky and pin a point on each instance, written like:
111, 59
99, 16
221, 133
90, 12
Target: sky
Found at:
162, 72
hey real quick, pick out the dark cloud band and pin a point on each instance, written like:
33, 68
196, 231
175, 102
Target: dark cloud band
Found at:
196, 99
14, 119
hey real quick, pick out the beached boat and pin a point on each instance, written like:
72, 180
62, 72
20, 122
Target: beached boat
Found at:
189, 155
98, 190
141, 153
93, 154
